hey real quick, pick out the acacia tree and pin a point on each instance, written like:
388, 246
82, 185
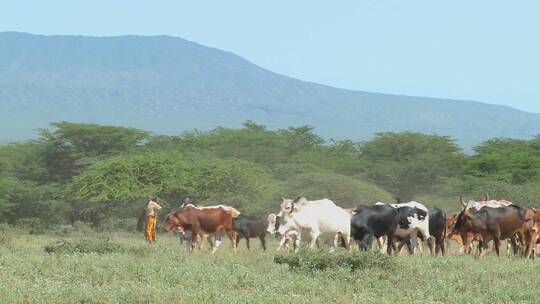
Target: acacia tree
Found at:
504, 159
129, 178
72, 146
410, 163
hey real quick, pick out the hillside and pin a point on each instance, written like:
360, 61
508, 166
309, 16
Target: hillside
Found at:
168, 85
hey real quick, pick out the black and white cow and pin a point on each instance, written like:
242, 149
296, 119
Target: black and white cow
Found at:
250, 227
413, 223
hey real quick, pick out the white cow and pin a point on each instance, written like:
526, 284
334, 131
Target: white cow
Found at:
412, 220
489, 203
315, 217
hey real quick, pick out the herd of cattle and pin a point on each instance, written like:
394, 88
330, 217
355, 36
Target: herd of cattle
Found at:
393, 226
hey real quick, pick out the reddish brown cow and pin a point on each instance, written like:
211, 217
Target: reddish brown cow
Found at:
203, 221
453, 235
495, 224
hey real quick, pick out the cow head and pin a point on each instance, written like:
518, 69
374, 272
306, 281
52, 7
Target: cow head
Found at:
288, 209
287, 205
187, 201
171, 222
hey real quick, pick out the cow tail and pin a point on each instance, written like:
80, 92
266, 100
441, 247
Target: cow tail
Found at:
445, 226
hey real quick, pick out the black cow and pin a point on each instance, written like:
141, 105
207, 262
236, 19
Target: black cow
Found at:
437, 229
374, 221
250, 227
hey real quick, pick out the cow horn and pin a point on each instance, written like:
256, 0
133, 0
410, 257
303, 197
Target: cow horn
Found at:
487, 196
462, 201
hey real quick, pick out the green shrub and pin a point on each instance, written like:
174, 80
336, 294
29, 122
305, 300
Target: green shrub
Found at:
34, 225
127, 224
83, 246
82, 227
4, 227
5, 239
94, 246
310, 261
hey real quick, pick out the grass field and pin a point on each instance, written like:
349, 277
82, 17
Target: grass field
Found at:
164, 273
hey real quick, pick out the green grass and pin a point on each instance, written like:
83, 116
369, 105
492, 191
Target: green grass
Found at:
164, 273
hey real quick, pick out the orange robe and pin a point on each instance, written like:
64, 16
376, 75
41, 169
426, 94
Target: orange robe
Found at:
150, 230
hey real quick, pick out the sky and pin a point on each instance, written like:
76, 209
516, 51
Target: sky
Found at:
476, 50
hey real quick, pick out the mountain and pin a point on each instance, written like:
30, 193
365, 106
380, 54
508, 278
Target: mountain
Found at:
169, 85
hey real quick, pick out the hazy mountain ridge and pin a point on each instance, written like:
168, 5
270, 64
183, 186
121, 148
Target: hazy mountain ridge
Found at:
167, 85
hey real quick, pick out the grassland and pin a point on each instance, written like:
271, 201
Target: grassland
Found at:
164, 273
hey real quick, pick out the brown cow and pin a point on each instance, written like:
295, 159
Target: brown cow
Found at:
495, 224
453, 235
202, 221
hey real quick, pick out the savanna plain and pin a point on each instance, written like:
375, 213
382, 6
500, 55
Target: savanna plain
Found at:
122, 268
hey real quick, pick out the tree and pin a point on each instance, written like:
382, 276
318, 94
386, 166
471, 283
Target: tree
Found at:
128, 178
408, 163
73, 146
510, 160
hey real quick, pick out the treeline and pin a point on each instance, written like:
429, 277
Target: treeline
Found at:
95, 173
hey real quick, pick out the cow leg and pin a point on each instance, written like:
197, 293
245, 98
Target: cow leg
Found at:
314, 237
431, 246
232, 237
366, 243
296, 243
465, 242
390, 244
400, 246
410, 247
247, 242
347, 240
283, 242
380, 243
441, 245
194, 235
262, 237
497, 242
337, 240
237, 239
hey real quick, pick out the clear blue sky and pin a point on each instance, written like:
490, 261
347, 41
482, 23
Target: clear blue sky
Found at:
486, 50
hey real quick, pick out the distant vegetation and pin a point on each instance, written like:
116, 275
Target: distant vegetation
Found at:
102, 174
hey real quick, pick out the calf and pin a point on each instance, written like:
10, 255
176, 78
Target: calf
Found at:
250, 227
291, 236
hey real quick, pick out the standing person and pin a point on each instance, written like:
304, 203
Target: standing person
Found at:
151, 220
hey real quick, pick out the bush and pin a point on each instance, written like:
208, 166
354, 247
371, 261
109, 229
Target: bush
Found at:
127, 224
33, 224
93, 246
5, 239
4, 227
310, 261
84, 246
